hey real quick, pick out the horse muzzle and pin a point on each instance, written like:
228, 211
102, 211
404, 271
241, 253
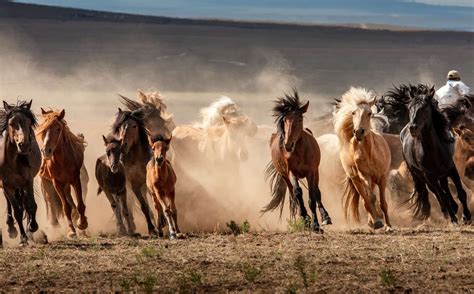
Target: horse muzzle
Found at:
159, 160
114, 168
359, 134
23, 148
290, 147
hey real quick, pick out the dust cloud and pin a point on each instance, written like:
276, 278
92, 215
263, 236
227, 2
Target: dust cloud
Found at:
88, 94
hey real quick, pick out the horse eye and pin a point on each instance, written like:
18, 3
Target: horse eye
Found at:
134, 127
370, 113
353, 112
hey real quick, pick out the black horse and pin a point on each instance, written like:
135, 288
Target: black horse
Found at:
428, 150
20, 161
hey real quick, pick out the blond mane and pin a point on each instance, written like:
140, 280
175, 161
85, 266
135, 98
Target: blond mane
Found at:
214, 114
48, 119
343, 124
155, 98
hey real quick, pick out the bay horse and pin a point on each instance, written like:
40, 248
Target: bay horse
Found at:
428, 149
161, 181
20, 161
365, 156
110, 175
129, 127
63, 157
295, 156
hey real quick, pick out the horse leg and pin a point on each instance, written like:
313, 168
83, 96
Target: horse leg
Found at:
12, 194
166, 205
116, 210
364, 191
159, 211
466, 215
31, 207
325, 218
443, 182
81, 207
175, 212
442, 197
122, 200
62, 191
383, 202
312, 204
12, 231
145, 209
298, 192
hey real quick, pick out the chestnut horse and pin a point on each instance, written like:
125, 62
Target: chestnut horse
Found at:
365, 156
63, 157
161, 181
110, 175
20, 160
295, 155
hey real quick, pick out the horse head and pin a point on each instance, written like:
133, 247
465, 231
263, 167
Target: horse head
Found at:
51, 130
129, 128
361, 119
113, 151
18, 122
289, 113
159, 146
420, 109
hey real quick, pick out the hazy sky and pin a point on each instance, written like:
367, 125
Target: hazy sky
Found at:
433, 14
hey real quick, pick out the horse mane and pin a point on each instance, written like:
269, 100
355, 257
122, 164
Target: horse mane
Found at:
49, 118
158, 137
213, 115
284, 106
452, 113
138, 117
21, 106
440, 121
343, 124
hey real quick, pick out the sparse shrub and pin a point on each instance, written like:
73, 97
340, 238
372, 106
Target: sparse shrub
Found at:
250, 272
125, 285
189, 281
148, 283
300, 265
297, 225
291, 289
40, 254
150, 252
237, 229
387, 278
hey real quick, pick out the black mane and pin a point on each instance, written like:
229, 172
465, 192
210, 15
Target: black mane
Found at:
284, 106
138, 117
22, 107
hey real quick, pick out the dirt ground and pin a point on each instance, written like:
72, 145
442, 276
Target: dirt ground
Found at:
435, 259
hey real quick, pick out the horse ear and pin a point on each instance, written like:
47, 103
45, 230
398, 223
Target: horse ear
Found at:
432, 91
6, 106
43, 112
304, 108
62, 114
29, 104
119, 110
142, 95
105, 140
372, 101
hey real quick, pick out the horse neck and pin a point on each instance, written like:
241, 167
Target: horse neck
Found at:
10, 150
138, 153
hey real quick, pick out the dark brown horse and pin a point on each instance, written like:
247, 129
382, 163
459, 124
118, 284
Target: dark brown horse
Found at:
63, 157
110, 175
129, 128
20, 160
295, 156
161, 181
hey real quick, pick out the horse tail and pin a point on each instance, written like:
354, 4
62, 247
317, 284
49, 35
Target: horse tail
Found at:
420, 204
278, 190
53, 201
350, 200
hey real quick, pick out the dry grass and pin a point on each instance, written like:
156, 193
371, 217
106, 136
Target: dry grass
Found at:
439, 259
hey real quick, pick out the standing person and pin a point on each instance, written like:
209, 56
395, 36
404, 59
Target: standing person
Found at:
454, 90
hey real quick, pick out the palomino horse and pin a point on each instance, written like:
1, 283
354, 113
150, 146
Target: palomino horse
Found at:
464, 155
110, 175
428, 150
129, 128
295, 156
221, 137
20, 160
365, 156
63, 157
161, 180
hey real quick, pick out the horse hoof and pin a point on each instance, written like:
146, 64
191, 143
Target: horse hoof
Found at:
378, 224
327, 222
72, 235
24, 241
82, 225
40, 237
160, 234
388, 229
134, 235
318, 229
466, 220
33, 227
12, 232
173, 236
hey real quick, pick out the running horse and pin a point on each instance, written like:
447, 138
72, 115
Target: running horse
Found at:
20, 161
130, 129
63, 157
295, 156
365, 156
428, 149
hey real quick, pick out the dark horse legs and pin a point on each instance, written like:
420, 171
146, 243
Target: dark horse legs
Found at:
466, 215
17, 211
315, 199
12, 231
295, 185
443, 199
145, 209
